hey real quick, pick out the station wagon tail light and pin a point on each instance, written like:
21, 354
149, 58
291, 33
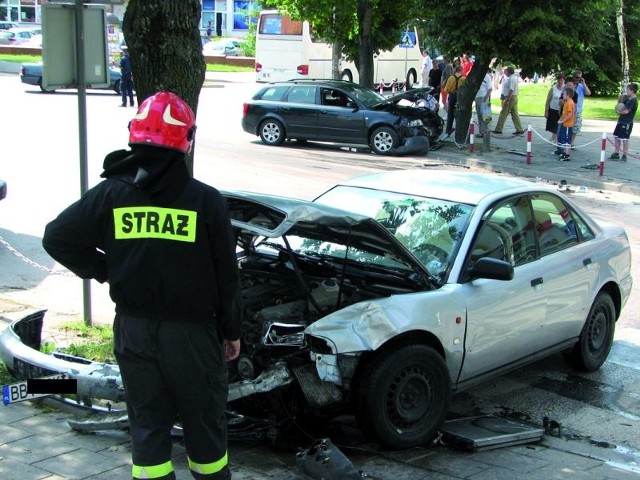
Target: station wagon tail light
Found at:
303, 69
258, 67
245, 109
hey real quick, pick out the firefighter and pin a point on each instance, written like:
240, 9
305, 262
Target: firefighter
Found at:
164, 242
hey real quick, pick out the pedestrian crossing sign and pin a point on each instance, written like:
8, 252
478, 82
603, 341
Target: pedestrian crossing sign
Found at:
407, 40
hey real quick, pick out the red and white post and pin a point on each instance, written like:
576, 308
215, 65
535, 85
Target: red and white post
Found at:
603, 152
472, 137
529, 142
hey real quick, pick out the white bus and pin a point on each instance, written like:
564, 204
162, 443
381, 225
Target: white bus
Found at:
286, 49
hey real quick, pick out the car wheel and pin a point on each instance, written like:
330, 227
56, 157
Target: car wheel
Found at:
402, 396
272, 132
384, 140
412, 78
116, 87
347, 75
43, 90
596, 337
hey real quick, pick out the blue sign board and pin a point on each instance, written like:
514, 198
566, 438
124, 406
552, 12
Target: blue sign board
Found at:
407, 40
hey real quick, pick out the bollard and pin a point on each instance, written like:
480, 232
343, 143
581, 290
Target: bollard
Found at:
603, 151
529, 141
381, 86
394, 86
472, 137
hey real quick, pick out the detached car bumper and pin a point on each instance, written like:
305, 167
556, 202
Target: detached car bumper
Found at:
20, 352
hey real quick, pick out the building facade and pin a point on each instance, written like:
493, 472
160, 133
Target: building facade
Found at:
223, 17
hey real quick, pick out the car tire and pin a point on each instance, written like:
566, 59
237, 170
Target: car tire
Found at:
384, 140
43, 90
347, 75
412, 78
402, 396
596, 337
116, 87
272, 132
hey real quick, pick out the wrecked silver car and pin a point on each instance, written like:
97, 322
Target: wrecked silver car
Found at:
432, 282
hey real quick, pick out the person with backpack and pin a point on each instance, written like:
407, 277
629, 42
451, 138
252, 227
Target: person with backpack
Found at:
454, 82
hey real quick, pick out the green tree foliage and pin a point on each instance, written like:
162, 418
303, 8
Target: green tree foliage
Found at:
163, 37
363, 27
537, 36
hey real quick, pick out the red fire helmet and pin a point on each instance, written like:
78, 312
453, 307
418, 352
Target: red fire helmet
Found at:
164, 120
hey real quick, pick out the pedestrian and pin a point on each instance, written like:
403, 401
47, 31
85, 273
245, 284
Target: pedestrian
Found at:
509, 99
447, 71
483, 97
435, 77
568, 85
565, 122
623, 129
427, 63
454, 82
467, 64
552, 107
209, 28
126, 77
581, 90
164, 243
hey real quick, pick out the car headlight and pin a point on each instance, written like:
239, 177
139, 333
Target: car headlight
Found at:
415, 123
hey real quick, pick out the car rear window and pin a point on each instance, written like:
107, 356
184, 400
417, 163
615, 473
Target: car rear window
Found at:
274, 93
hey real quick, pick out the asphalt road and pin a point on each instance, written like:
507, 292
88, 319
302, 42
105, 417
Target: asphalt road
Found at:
40, 164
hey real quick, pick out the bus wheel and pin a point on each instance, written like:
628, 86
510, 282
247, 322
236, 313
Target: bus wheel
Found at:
412, 78
272, 132
384, 140
347, 75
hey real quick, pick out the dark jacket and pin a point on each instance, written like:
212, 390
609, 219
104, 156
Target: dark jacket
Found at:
161, 239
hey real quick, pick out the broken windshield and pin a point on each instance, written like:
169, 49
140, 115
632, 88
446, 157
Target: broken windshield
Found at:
431, 229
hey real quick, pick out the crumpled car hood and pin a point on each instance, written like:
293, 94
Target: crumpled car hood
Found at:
273, 216
392, 104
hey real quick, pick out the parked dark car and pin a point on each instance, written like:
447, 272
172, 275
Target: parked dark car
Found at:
342, 112
3, 189
31, 74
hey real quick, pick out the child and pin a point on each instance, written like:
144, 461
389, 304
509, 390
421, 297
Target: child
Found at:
566, 121
624, 126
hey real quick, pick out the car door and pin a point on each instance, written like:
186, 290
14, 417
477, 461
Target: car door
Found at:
569, 273
300, 112
339, 120
505, 319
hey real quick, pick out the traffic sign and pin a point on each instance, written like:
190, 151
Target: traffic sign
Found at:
407, 40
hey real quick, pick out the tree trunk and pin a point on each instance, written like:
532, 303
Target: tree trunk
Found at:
336, 57
466, 96
163, 37
365, 52
622, 35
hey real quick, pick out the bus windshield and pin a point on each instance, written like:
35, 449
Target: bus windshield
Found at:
276, 24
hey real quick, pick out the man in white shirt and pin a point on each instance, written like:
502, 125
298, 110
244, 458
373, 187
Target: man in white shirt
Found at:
427, 64
509, 99
482, 103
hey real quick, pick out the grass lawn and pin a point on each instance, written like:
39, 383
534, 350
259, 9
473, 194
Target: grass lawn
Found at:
532, 97
211, 67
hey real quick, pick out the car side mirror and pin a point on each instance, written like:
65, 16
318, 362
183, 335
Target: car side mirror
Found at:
492, 268
352, 105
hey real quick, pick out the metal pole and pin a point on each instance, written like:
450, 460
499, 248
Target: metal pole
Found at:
82, 133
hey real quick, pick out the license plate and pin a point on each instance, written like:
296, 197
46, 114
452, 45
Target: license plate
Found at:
17, 392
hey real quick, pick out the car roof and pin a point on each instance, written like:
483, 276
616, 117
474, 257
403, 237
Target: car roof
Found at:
464, 187
317, 81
